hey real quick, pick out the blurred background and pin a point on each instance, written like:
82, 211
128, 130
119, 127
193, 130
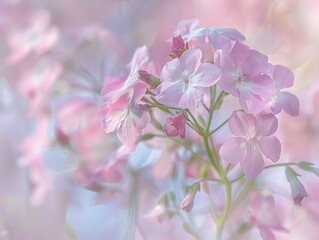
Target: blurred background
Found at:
54, 57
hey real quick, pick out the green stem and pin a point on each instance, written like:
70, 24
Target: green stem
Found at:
211, 157
223, 217
130, 233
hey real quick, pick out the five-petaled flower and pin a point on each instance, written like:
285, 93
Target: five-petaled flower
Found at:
253, 142
184, 79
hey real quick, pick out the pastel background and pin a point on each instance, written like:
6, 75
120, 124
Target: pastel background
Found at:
54, 57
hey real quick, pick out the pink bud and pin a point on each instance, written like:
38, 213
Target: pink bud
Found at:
149, 78
178, 46
175, 126
298, 191
188, 202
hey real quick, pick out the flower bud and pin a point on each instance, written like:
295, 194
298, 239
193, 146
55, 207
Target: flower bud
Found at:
188, 202
178, 46
149, 78
175, 126
298, 191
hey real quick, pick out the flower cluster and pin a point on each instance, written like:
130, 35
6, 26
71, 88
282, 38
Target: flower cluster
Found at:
200, 134
209, 67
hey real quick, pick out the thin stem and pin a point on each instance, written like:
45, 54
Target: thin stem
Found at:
130, 233
281, 165
211, 156
219, 127
222, 219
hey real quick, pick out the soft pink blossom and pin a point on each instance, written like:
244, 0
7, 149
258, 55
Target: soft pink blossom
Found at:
283, 78
37, 37
253, 142
126, 115
264, 215
244, 76
184, 79
175, 126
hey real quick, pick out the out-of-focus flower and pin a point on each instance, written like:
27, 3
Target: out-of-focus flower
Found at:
244, 76
264, 215
175, 126
127, 115
252, 143
283, 78
298, 192
183, 80
32, 149
38, 36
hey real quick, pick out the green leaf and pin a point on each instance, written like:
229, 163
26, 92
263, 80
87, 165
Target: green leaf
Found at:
306, 166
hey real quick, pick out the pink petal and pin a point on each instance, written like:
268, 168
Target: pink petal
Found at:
251, 102
170, 93
267, 124
241, 123
255, 201
191, 98
253, 162
131, 126
290, 103
113, 119
282, 77
229, 84
261, 84
224, 61
171, 71
233, 150
266, 233
191, 60
255, 63
239, 53
206, 76
186, 26
140, 57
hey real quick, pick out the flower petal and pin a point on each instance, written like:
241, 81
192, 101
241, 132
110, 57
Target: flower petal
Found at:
267, 124
253, 162
270, 147
266, 233
170, 93
241, 123
172, 71
191, 98
282, 77
233, 150
191, 60
290, 103
206, 76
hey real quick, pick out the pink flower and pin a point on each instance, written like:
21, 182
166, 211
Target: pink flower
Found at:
298, 191
283, 78
139, 59
126, 115
38, 36
264, 215
188, 202
183, 80
185, 27
175, 126
253, 142
121, 108
178, 46
220, 38
244, 76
